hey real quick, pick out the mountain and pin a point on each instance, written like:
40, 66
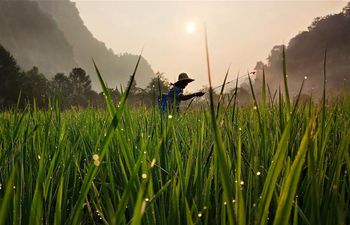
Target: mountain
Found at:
33, 37
52, 36
305, 56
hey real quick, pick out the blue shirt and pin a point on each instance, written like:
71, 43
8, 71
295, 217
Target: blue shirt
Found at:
174, 95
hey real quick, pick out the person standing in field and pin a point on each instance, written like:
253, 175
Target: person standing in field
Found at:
176, 95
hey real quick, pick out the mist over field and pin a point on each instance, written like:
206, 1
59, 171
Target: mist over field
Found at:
53, 36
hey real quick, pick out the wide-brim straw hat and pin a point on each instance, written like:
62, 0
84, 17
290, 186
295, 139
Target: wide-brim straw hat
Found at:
183, 78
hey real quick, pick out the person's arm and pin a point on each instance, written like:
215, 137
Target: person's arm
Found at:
187, 97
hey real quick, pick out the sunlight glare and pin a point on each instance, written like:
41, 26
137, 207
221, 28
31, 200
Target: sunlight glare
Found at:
190, 27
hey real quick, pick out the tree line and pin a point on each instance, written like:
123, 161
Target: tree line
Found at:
20, 88
305, 55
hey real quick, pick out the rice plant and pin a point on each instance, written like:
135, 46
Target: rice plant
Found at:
268, 163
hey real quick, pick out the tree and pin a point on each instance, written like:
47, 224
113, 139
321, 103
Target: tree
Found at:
114, 93
346, 10
9, 78
61, 88
34, 85
80, 81
61, 85
81, 86
158, 84
93, 98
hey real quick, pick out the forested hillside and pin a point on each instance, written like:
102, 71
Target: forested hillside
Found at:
305, 56
52, 36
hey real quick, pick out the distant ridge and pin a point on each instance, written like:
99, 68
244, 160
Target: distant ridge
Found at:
305, 54
52, 36
33, 38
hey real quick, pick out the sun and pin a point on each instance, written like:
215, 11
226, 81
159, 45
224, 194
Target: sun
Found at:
190, 27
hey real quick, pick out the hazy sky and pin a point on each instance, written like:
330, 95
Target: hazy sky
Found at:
240, 33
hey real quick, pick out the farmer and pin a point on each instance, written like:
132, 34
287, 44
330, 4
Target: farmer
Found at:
175, 95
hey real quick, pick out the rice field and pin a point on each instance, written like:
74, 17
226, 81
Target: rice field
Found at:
273, 162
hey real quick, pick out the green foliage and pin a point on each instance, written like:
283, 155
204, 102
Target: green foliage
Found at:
34, 87
9, 77
258, 164
305, 56
160, 170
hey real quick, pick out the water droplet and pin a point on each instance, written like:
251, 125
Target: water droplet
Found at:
153, 163
96, 157
143, 207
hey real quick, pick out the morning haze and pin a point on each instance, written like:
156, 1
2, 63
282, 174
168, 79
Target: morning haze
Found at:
240, 32
113, 142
